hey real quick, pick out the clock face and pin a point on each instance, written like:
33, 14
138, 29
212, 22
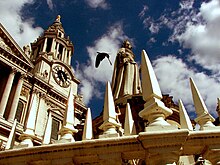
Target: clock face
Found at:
61, 76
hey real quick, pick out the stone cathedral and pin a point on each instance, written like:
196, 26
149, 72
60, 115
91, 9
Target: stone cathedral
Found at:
44, 121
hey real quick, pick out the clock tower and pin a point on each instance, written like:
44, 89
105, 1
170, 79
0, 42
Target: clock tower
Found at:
51, 56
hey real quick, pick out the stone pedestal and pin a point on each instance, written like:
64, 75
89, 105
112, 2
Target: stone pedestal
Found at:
26, 141
109, 130
163, 148
110, 159
67, 135
213, 154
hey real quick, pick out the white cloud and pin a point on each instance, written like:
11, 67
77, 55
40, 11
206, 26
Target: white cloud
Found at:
110, 43
143, 12
186, 4
203, 38
173, 75
21, 30
50, 4
154, 28
198, 30
97, 4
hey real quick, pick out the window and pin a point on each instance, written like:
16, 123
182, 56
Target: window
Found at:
49, 44
55, 129
60, 52
19, 111
60, 34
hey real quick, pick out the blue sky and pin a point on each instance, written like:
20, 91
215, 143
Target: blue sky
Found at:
180, 37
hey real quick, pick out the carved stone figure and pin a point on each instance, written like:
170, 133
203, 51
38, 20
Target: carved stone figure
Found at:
27, 50
125, 79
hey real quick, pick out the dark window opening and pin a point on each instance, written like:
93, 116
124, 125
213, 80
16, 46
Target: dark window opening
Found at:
59, 34
55, 129
60, 51
19, 111
49, 44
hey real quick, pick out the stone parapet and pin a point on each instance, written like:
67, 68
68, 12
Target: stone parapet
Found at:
151, 147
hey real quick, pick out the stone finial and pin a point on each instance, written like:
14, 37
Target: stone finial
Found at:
150, 84
154, 109
11, 138
68, 129
129, 126
184, 118
204, 119
87, 131
109, 115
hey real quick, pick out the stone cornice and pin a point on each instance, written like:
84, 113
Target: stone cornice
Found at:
13, 50
12, 60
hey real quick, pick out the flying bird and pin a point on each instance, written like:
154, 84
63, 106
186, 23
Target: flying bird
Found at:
100, 56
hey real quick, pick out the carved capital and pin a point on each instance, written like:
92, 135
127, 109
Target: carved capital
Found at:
25, 92
23, 76
13, 70
43, 95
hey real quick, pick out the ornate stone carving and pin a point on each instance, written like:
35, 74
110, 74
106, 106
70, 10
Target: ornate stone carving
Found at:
27, 50
4, 45
25, 92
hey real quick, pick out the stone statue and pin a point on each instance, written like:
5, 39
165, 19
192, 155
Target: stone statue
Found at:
58, 18
27, 50
125, 79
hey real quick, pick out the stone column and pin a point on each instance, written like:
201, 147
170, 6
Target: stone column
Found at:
63, 54
57, 50
16, 99
47, 134
69, 58
45, 45
28, 135
11, 137
6, 92
53, 47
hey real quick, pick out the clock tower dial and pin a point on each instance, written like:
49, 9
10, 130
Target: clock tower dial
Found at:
61, 76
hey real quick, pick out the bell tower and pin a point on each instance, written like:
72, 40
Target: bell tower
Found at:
52, 45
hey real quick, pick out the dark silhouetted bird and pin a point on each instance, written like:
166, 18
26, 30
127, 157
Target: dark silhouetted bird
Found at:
100, 56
